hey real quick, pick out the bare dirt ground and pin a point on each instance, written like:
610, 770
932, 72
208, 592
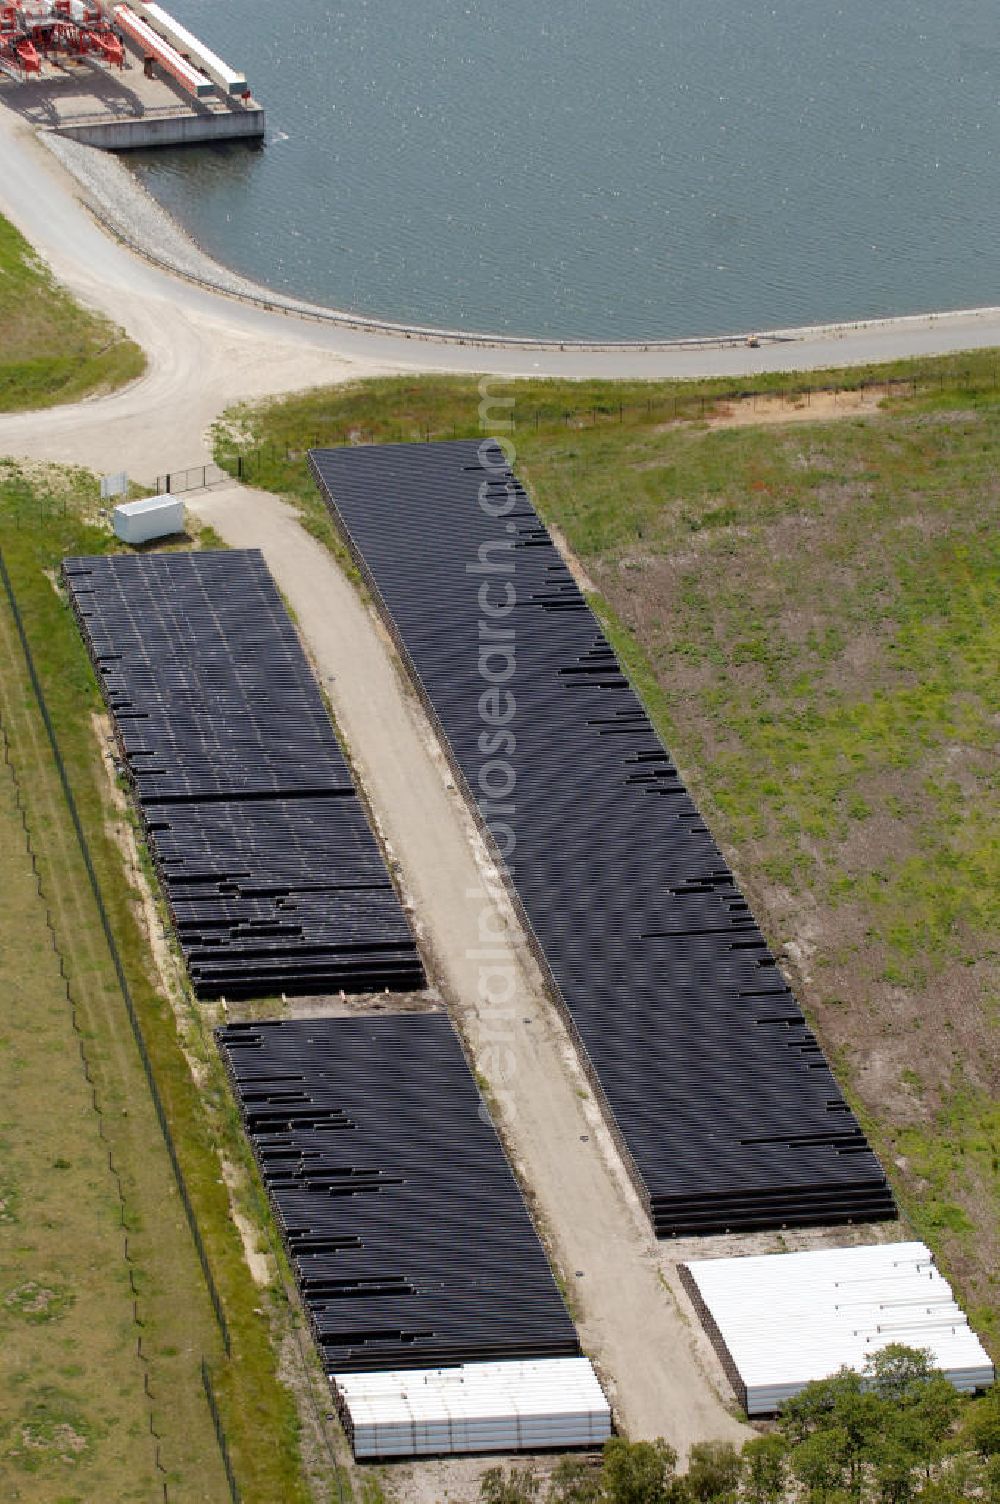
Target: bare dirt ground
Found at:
636, 1329
762, 408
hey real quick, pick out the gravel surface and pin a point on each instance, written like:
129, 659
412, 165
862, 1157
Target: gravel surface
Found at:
124, 206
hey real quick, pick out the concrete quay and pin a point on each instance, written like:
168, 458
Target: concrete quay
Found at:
121, 110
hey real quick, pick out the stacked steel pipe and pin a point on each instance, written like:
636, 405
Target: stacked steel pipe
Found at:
718, 1093
273, 877
410, 1241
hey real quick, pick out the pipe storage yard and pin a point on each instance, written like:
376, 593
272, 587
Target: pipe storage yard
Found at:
411, 1245
719, 1096
477, 1407
781, 1320
273, 877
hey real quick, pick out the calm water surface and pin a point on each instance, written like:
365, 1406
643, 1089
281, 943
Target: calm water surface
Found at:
645, 168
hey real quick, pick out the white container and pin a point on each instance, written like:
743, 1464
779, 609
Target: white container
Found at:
153, 517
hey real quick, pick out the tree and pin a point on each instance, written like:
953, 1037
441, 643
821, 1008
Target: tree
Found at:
824, 1464
498, 1487
765, 1469
981, 1431
921, 1422
895, 1373
639, 1472
917, 1412
576, 1481
849, 1417
713, 1471
895, 1472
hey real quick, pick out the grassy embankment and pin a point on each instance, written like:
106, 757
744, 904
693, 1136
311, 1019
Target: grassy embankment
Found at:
72, 1405
77, 1411
811, 613
52, 350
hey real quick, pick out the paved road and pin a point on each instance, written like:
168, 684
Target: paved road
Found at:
207, 351
628, 1320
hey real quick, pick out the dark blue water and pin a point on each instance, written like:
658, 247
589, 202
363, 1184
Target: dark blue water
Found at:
645, 168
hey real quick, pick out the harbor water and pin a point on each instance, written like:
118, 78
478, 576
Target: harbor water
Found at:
571, 168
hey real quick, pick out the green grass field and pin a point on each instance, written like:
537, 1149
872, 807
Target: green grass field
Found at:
811, 614
75, 1412
52, 350
74, 1417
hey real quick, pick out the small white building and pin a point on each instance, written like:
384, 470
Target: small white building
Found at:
778, 1321
153, 517
475, 1407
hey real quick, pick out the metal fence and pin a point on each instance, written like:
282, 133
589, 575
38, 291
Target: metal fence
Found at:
195, 478
220, 1435
257, 463
116, 959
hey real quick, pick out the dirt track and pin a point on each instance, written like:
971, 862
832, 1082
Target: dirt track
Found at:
629, 1321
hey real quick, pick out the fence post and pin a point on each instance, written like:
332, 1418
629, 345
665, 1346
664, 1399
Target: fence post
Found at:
112, 944
220, 1434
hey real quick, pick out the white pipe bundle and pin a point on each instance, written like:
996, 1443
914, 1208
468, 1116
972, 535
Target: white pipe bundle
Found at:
168, 57
781, 1320
477, 1407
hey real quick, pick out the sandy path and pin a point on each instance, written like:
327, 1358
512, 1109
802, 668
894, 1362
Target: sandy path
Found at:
628, 1321
199, 359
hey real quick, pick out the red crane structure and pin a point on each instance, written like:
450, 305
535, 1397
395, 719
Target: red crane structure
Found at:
35, 31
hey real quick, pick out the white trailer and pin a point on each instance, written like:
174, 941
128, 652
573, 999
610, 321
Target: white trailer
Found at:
153, 517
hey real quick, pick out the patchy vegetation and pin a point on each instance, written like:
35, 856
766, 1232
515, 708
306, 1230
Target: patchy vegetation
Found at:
104, 1312
52, 350
811, 614
898, 1433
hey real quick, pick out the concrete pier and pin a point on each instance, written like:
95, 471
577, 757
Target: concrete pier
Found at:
186, 127
121, 110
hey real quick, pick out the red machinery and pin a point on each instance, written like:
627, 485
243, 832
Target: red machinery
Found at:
18, 54
93, 30
33, 29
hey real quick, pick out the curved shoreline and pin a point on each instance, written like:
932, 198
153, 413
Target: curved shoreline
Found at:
127, 211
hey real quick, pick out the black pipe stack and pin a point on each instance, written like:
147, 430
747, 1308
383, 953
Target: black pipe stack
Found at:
720, 1097
410, 1241
273, 877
